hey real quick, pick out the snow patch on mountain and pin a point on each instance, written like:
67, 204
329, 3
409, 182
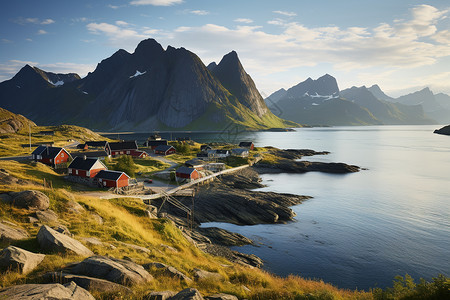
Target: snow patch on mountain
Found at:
58, 83
137, 74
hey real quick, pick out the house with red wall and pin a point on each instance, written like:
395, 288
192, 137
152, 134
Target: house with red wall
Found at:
85, 167
123, 148
53, 156
165, 150
116, 179
186, 174
248, 145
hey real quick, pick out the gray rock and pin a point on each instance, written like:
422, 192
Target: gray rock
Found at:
169, 248
224, 237
88, 283
168, 271
33, 200
62, 229
164, 295
53, 241
92, 241
5, 198
17, 259
74, 207
200, 274
47, 216
8, 233
97, 218
188, 294
222, 297
45, 291
32, 219
116, 270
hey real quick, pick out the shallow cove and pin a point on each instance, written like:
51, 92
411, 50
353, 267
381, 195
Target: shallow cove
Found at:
361, 229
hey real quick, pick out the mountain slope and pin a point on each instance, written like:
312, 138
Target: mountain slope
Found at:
379, 94
149, 89
11, 123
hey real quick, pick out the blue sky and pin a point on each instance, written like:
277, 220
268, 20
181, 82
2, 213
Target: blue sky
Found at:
401, 45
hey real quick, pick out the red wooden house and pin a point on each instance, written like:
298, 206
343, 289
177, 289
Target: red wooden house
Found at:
248, 145
53, 156
123, 148
165, 150
186, 174
116, 179
85, 167
138, 154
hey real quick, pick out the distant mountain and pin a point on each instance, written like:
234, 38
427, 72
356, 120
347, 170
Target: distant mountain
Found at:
386, 112
149, 89
379, 94
443, 100
430, 104
275, 96
11, 123
319, 102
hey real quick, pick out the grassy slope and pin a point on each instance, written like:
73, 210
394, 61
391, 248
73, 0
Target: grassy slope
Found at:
125, 221
11, 144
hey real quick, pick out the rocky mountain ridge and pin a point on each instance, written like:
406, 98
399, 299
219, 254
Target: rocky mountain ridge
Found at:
149, 89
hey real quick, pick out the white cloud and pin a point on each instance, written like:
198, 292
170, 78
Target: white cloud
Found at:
199, 12
243, 20
47, 21
156, 2
6, 41
285, 13
41, 32
28, 40
122, 23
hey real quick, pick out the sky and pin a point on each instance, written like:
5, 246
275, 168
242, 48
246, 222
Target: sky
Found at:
401, 45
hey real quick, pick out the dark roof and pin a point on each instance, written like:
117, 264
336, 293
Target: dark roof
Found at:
239, 150
185, 170
194, 162
47, 152
47, 132
93, 154
156, 142
110, 175
220, 151
80, 163
205, 147
126, 145
245, 144
97, 144
163, 148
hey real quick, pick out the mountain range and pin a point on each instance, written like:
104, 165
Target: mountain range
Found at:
149, 89
320, 102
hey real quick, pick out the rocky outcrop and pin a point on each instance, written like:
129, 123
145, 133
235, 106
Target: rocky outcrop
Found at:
233, 256
294, 153
17, 259
116, 270
166, 270
53, 241
444, 130
224, 237
47, 216
289, 166
11, 123
88, 283
188, 294
164, 295
11, 232
54, 291
200, 274
33, 200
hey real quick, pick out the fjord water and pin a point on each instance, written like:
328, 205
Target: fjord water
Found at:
362, 229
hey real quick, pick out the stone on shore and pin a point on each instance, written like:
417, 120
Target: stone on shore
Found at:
17, 259
53, 291
9, 233
53, 241
86, 282
224, 237
164, 295
116, 270
188, 294
33, 200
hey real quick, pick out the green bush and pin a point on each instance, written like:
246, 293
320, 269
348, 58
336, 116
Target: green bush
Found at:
125, 163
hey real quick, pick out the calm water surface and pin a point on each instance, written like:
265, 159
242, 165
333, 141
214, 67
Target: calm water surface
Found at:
360, 230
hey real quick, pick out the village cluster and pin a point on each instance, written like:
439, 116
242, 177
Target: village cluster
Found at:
85, 166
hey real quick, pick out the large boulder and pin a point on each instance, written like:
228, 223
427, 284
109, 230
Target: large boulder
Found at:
200, 274
164, 295
188, 294
16, 259
53, 241
33, 200
47, 216
86, 282
45, 291
166, 270
116, 270
9, 233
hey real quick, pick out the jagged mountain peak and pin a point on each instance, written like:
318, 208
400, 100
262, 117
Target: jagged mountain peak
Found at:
148, 46
325, 85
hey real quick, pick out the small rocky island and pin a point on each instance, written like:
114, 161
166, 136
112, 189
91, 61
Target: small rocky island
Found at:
444, 130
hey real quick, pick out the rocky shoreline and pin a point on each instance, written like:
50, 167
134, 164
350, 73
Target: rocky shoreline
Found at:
232, 199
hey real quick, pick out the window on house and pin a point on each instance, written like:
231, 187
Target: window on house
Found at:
88, 173
104, 183
62, 154
76, 172
128, 152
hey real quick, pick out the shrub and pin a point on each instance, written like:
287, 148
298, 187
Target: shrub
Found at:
125, 163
